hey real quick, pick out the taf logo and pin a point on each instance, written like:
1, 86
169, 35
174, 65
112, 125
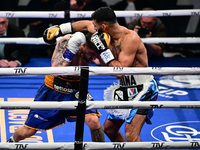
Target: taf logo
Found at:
186, 131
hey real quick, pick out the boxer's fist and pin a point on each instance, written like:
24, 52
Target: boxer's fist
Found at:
74, 42
51, 33
101, 42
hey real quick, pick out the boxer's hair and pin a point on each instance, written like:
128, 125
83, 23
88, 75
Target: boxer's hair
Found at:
88, 38
104, 14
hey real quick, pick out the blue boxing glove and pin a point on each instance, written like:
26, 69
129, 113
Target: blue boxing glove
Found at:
101, 42
73, 44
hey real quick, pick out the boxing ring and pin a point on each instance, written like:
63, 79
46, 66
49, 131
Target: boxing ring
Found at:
177, 93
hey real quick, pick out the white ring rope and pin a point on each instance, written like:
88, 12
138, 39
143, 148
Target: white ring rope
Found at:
99, 105
171, 40
93, 71
160, 40
102, 145
22, 40
32, 14
87, 14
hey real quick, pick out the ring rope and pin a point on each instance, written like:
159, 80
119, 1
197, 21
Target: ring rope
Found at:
102, 145
87, 14
93, 71
99, 105
160, 40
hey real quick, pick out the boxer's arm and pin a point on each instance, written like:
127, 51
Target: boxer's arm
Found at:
83, 26
127, 55
51, 33
66, 49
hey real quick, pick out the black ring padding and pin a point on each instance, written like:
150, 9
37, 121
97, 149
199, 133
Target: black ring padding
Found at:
80, 118
67, 14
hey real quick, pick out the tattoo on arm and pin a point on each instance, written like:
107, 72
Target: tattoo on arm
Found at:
97, 135
58, 58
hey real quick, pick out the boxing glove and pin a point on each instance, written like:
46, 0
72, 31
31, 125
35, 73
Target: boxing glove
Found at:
101, 42
51, 33
73, 44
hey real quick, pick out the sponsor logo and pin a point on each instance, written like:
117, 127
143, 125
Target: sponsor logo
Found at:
167, 14
81, 15
98, 42
118, 107
21, 146
39, 117
180, 81
106, 55
118, 69
195, 13
156, 68
127, 81
137, 15
132, 92
177, 131
77, 68
53, 15
68, 85
169, 92
189, 106
20, 70
119, 96
119, 145
88, 98
15, 107
195, 144
60, 88
10, 15
156, 106
157, 145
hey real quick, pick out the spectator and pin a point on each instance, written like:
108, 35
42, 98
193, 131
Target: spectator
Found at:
93, 5
71, 5
38, 25
12, 55
154, 28
124, 5
66, 5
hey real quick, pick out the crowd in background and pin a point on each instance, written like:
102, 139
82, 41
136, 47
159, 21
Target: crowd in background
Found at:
161, 26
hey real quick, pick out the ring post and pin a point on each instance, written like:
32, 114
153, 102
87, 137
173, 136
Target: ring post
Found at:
80, 118
67, 10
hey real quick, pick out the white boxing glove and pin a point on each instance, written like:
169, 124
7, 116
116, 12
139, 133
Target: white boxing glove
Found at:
74, 42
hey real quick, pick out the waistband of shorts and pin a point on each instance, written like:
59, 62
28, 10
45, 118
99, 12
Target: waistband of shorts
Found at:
134, 80
61, 84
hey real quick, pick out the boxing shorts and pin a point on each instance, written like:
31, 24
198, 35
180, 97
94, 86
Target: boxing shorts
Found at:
132, 88
58, 90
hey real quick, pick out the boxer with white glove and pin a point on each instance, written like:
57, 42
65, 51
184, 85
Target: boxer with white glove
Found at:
74, 42
51, 33
101, 42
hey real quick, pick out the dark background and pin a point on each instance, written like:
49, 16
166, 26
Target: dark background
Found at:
176, 25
